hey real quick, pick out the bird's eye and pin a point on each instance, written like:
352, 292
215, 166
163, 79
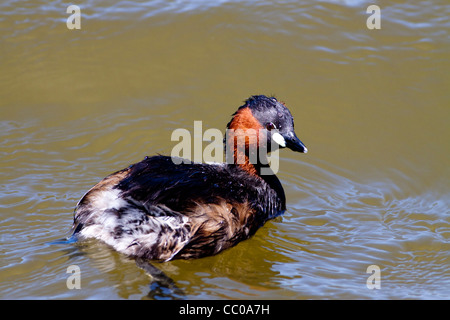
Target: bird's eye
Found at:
270, 126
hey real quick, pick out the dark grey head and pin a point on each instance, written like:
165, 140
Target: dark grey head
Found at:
274, 116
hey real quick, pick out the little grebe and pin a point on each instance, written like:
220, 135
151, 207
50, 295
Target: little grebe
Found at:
156, 209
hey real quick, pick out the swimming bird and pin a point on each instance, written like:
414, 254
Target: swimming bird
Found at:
160, 209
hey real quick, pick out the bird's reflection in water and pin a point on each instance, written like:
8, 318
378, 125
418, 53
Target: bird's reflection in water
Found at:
162, 287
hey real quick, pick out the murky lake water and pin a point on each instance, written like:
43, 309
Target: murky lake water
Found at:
372, 106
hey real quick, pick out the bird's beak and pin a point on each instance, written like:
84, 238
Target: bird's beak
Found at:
296, 145
290, 141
